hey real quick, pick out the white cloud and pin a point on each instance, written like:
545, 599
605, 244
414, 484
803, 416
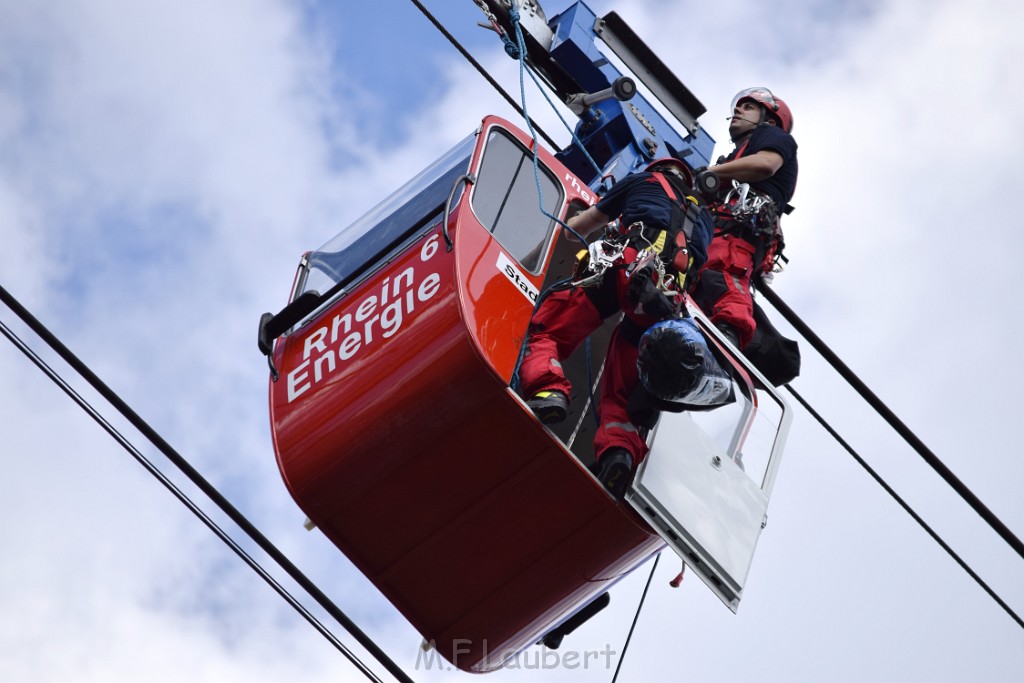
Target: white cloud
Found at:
161, 169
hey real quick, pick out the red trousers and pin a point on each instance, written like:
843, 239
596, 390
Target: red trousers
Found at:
723, 292
562, 322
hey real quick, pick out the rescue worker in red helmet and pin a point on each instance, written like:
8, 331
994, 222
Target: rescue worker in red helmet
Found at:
657, 207
746, 246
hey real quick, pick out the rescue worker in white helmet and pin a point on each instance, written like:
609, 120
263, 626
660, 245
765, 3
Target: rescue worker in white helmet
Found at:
746, 246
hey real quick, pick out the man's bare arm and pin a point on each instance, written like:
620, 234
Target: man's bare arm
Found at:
588, 221
750, 169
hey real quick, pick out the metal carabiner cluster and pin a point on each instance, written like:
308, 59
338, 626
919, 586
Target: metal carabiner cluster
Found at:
649, 261
600, 256
744, 203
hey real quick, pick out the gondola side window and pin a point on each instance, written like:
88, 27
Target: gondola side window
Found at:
505, 199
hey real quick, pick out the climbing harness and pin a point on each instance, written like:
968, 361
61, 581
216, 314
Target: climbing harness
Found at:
755, 217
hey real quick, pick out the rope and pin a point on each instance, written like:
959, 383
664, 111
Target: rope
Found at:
635, 618
483, 72
518, 52
903, 504
211, 492
514, 16
575, 139
890, 417
521, 51
183, 498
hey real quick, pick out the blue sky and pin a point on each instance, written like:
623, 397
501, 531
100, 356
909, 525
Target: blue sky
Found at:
162, 167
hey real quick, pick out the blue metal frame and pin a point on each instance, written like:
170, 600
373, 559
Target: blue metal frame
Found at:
622, 137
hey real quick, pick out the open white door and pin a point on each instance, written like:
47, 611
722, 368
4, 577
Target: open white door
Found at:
705, 485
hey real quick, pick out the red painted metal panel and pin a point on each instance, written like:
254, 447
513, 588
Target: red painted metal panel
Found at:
397, 434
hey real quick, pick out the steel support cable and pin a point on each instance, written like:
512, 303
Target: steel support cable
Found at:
815, 341
636, 617
183, 498
483, 72
520, 108
903, 504
208, 489
847, 374
891, 418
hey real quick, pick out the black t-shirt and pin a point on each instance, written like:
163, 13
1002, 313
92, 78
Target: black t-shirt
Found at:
782, 185
638, 197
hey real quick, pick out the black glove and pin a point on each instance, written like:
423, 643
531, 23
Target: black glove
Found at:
707, 183
645, 294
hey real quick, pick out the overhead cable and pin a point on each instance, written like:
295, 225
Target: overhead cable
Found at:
917, 518
636, 617
483, 72
183, 498
211, 492
890, 417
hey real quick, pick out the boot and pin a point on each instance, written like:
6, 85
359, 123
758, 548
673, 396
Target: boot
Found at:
614, 470
550, 407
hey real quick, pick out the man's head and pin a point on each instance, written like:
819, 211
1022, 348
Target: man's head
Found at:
675, 169
755, 107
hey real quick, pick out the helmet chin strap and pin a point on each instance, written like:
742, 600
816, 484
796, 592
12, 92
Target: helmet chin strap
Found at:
757, 124
744, 134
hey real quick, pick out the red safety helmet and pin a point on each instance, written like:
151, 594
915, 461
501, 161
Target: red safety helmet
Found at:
773, 106
672, 166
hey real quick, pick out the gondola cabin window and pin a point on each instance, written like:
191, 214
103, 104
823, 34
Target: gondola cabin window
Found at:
505, 199
388, 226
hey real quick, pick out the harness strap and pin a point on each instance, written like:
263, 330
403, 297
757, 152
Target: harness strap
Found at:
770, 240
663, 181
679, 230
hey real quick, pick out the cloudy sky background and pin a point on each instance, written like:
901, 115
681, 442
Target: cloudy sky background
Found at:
163, 165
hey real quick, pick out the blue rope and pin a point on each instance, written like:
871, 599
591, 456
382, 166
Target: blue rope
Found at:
518, 52
511, 49
514, 16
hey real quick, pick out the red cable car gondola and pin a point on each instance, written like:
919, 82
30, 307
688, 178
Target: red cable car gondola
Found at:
398, 434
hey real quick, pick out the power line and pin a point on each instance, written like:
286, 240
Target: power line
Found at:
483, 72
211, 492
890, 417
854, 381
182, 497
903, 504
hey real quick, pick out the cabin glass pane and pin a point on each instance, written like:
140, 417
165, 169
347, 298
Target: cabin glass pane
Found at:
399, 217
506, 202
